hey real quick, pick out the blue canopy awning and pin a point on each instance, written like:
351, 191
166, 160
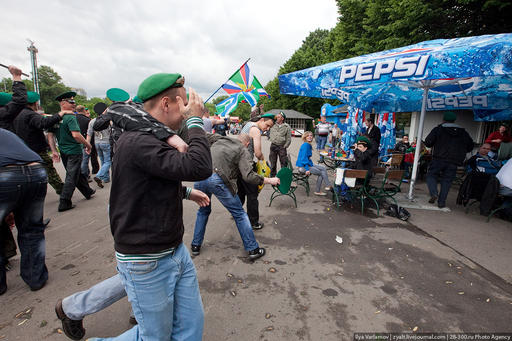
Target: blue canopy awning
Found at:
465, 73
461, 73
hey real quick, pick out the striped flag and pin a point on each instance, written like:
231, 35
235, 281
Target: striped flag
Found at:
245, 83
228, 105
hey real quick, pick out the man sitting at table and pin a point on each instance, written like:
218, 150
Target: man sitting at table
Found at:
481, 162
363, 154
402, 146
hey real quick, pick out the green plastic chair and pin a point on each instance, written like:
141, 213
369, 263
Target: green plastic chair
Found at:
386, 189
301, 179
285, 186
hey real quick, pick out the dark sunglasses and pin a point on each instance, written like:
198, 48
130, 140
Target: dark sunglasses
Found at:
70, 101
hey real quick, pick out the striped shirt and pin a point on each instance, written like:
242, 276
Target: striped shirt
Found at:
145, 257
323, 128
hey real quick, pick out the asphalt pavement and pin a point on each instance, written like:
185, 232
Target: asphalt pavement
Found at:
327, 274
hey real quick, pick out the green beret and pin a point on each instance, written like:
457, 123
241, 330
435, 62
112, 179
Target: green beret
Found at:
269, 115
449, 116
65, 95
363, 139
5, 98
155, 84
136, 99
32, 97
282, 114
117, 95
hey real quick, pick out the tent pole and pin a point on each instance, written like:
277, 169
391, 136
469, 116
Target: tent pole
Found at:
426, 87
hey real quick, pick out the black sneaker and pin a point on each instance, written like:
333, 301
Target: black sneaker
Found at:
65, 205
256, 253
196, 249
89, 196
73, 329
432, 200
258, 226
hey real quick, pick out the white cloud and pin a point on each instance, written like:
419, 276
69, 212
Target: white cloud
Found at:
97, 45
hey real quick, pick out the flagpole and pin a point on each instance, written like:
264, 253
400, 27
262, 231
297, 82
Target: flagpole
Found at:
226, 81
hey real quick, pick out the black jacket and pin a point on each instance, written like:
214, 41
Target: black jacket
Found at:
450, 143
9, 111
374, 135
146, 209
83, 122
401, 147
29, 125
363, 159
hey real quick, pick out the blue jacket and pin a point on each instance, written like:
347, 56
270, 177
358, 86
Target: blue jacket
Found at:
304, 157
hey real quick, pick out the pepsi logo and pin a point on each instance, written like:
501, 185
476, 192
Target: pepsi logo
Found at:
462, 85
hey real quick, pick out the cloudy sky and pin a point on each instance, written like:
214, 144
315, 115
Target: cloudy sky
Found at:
96, 45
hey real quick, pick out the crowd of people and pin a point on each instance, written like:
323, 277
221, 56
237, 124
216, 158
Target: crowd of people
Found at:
148, 145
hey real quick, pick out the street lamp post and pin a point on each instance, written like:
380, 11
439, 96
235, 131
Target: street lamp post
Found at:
33, 58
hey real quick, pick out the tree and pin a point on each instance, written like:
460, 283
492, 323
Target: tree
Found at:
313, 51
50, 86
6, 85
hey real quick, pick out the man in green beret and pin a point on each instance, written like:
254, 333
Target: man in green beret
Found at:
146, 199
30, 126
254, 128
280, 139
117, 95
363, 154
12, 105
70, 144
450, 143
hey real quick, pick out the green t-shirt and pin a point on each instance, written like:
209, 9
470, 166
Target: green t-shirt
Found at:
67, 143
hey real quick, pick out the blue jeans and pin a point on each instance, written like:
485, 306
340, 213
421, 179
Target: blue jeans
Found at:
104, 154
84, 166
94, 299
215, 185
165, 299
22, 191
320, 143
444, 173
321, 172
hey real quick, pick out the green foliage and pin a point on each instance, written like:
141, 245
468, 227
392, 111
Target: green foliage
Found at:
91, 102
50, 86
6, 85
314, 51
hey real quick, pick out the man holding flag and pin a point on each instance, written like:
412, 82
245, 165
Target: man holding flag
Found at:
254, 129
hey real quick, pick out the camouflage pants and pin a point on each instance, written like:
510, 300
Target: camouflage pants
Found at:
53, 177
